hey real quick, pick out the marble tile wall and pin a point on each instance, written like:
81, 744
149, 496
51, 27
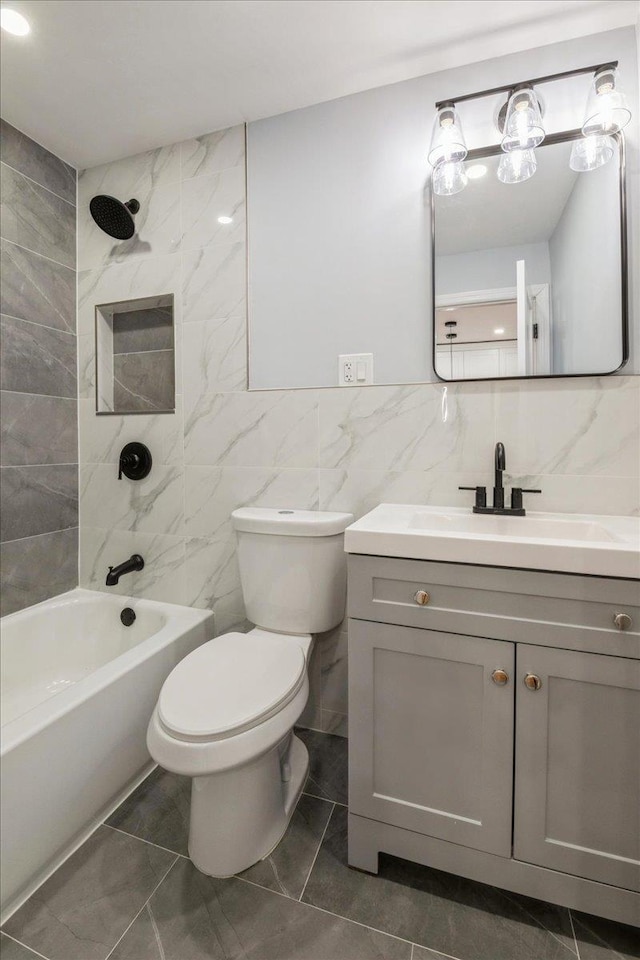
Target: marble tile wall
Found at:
38, 374
334, 449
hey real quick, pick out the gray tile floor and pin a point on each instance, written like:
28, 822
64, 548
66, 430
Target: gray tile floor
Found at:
130, 893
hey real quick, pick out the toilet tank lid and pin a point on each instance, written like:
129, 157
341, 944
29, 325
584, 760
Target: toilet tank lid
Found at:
285, 522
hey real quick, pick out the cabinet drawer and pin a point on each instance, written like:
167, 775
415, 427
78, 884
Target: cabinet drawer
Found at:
528, 606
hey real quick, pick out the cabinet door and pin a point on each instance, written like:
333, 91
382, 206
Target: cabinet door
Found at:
431, 734
577, 796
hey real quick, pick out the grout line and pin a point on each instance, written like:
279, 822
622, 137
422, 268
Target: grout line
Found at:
23, 393
25, 945
36, 253
573, 931
38, 184
313, 863
313, 906
157, 886
142, 840
336, 803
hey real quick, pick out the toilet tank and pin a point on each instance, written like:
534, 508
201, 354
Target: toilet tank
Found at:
292, 567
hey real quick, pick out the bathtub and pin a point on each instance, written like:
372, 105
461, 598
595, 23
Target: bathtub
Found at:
78, 688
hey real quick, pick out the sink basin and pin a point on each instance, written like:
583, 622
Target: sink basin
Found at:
571, 543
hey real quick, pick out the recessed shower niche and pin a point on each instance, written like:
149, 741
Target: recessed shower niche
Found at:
135, 356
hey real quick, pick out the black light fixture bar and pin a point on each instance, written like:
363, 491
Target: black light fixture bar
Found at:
507, 88
481, 153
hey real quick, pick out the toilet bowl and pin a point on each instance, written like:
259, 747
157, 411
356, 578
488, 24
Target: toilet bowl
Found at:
225, 714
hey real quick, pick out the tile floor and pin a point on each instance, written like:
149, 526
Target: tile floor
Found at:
130, 893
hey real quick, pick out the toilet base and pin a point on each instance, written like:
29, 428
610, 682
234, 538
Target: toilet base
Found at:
238, 816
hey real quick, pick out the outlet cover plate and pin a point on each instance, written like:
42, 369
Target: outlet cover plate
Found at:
355, 369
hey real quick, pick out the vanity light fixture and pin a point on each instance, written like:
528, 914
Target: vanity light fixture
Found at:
520, 123
523, 128
589, 153
13, 22
607, 111
517, 166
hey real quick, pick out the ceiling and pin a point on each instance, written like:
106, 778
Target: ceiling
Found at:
97, 80
488, 213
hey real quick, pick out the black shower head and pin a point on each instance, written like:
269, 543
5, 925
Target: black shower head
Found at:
113, 217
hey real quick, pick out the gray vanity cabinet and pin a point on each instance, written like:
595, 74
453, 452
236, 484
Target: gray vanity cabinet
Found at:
433, 733
577, 772
494, 726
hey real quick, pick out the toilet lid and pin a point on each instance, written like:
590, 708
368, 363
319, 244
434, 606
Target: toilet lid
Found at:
230, 684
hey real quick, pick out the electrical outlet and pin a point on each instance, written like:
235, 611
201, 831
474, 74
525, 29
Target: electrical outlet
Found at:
355, 369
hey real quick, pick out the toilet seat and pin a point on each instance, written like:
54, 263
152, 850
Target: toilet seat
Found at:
230, 685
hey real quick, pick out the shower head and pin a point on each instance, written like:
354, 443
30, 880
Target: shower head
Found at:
113, 217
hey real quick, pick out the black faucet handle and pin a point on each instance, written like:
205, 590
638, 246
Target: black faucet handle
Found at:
516, 496
481, 495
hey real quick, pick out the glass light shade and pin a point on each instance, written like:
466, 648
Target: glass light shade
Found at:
447, 139
589, 153
517, 165
449, 177
607, 111
523, 128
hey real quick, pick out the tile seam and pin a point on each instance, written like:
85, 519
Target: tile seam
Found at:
144, 905
26, 946
37, 183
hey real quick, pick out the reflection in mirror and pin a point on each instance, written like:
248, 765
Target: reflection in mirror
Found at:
527, 276
135, 356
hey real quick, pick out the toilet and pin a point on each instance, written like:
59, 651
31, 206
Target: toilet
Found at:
225, 714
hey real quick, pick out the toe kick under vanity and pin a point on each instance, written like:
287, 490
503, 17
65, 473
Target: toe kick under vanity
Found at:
494, 713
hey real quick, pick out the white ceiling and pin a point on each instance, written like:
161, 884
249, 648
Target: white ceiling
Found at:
97, 80
489, 213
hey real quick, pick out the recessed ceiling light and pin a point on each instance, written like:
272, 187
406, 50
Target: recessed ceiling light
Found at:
449, 309
498, 331
225, 220
476, 171
13, 22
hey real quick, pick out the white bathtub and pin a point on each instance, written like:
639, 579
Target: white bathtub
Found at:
78, 689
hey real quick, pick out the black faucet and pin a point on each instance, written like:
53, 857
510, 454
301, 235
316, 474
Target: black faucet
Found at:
134, 562
499, 463
516, 509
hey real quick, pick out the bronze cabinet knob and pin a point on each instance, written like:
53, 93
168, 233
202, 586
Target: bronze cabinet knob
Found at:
622, 621
500, 677
532, 682
422, 597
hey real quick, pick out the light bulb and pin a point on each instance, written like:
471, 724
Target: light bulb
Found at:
523, 128
607, 111
589, 153
449, 177
517, 166
447, 139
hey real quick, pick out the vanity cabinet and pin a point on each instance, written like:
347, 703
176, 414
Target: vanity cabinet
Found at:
494, 724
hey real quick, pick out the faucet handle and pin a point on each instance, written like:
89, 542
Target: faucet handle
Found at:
481, 495
516, 496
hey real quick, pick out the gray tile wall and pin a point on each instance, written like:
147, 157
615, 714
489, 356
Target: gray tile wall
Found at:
38, 374
143, 360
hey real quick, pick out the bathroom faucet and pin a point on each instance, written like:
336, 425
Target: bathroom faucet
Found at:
499, 463
516, 509
134, 562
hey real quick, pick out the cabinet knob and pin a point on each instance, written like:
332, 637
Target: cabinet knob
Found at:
532, 682
422, 597
500, 677
622, 621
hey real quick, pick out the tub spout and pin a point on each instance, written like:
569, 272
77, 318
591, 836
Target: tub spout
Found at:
134, 562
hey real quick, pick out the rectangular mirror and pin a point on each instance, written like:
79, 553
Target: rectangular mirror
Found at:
135, 356
529, 278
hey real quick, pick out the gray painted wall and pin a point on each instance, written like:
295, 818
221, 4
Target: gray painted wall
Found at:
585, 273
38, 411
491, 269
339, 233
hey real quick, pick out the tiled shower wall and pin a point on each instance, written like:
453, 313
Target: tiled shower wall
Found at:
332, 449
38, 412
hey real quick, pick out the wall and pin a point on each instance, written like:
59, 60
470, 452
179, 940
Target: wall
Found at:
38, 412
339, 212
335, 449
585, 284
491, 269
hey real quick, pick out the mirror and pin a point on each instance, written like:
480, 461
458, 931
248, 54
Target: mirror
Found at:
527, 276
135, 356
